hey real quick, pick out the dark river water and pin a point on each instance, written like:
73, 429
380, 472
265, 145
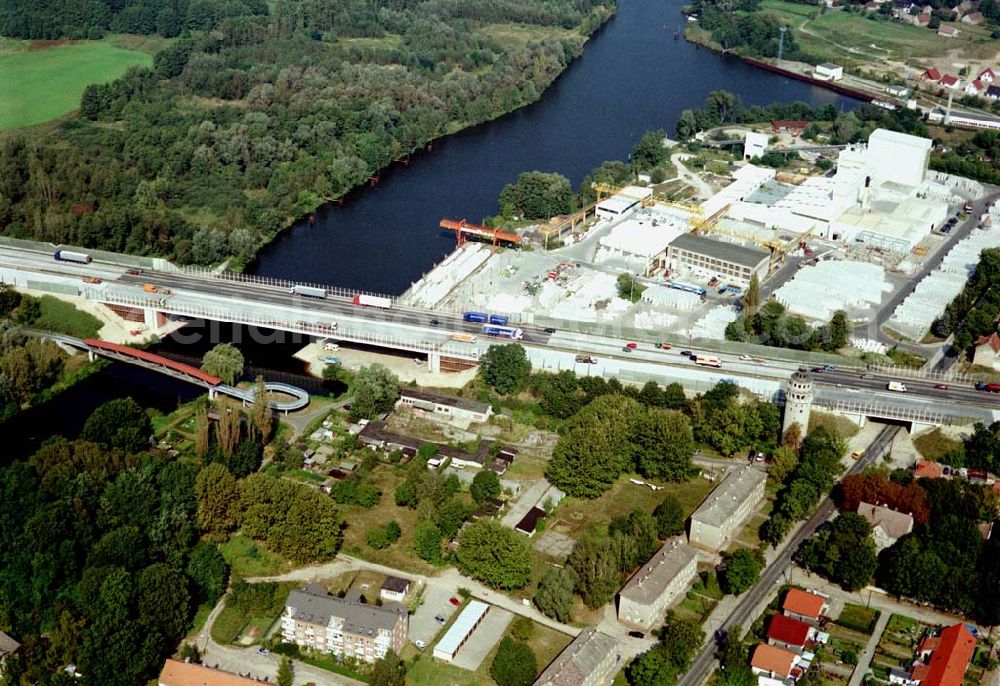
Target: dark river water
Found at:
633, 76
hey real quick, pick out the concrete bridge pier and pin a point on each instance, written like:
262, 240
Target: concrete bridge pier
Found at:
212, 394
91, 356
434, 362
858, 418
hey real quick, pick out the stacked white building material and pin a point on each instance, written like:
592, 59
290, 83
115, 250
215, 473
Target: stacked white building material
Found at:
654, 320
438, 283
661, 296
713, 324
914, 316
867, 345
817, 292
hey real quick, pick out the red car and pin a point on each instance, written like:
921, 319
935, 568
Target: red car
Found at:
941, 386
631, 346
454, 601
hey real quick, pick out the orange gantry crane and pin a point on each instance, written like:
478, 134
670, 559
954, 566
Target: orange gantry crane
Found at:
464, 230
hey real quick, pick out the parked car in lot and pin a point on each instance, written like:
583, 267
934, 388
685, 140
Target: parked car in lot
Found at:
454, 601
420, 644
263, 651
636, 634
439, 619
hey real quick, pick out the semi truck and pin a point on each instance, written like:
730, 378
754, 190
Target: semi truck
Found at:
477, 317
308, 291
509, 332
70, 256
499, 319
897, 386
373, 301
988, 387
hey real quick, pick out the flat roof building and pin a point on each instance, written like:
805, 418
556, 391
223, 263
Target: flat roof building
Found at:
394, 588
730, 260
592, 659
648, 593
641, 241
459, 632
727, 507
448, 405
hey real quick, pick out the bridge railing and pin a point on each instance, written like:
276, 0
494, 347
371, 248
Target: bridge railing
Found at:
889, 411
921, 373
321, 330
273, 282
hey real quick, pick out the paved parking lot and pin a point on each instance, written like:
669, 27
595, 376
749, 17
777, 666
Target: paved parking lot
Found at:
554, 544
482, 640
423, 626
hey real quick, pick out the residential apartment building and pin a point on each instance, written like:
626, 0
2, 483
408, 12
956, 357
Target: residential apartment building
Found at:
726, 508
592, 659
345, 627
645, 597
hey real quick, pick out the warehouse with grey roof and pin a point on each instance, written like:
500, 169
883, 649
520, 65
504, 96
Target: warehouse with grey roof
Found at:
726, 508
728, 260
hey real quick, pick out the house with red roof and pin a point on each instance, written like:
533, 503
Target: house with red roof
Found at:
775, 663
928, 469
932, 74
987, 352
974, 87
951, 658
987, 75
790, 634
950, 81
805, 606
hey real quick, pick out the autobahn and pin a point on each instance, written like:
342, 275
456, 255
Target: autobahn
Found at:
436, 328
751, 602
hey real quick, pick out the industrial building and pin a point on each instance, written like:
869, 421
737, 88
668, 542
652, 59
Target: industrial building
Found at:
623, 202
645, 597
446, 405
640, 242
726, 508
878, 196
729, 260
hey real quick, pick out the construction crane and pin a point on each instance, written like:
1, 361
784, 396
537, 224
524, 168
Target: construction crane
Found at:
602, 189
463, 230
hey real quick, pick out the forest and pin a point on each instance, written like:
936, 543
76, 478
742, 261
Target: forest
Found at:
236, 131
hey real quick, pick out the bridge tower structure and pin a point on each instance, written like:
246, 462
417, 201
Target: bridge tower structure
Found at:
798, 401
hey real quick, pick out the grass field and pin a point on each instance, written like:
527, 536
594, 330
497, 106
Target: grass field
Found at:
61, 316
39, 85
828, 35
248, 559
933, 444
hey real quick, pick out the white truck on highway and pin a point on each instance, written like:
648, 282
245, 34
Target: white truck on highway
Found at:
308, 291
897, 386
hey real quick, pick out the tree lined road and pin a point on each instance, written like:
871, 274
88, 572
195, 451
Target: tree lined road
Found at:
747, 608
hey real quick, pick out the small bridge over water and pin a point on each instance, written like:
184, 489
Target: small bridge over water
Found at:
179, 370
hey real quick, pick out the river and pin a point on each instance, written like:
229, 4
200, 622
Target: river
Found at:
633, 76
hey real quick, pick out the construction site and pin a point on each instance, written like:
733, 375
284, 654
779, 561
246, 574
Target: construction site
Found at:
844, 240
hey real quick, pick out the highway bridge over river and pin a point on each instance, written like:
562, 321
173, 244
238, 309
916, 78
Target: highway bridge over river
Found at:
125, 284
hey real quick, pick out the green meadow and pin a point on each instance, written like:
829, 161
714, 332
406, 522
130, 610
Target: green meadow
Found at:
37, 85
